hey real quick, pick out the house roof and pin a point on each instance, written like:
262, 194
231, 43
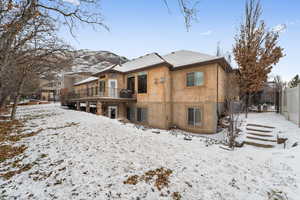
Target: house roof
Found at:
140, 62
184, 57
176, 60
90, 79
104, 70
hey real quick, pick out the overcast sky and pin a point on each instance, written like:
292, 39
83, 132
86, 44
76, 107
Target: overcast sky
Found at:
138, 27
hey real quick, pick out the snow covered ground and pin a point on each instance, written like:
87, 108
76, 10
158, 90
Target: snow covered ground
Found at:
85, 156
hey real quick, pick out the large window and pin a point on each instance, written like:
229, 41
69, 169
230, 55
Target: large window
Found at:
131, 83
194, 79
194, 116
142, 82
142, 114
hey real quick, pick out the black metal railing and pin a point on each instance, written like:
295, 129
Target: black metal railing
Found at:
103, 92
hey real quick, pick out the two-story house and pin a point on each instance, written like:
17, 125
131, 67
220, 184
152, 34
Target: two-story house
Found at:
183, 89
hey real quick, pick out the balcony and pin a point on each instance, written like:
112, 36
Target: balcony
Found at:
107, 94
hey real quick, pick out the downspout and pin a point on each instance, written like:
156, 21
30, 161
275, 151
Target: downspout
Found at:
217, 91
171, 97
170, 88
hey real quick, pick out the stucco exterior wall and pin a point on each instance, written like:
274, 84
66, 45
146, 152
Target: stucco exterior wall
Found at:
208, 116
157, 99
203, 97
222, 80
205, 92
84, 86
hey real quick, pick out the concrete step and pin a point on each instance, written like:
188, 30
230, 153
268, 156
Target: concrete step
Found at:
261, 125
259, 143
260, 134
272, 139
259, 130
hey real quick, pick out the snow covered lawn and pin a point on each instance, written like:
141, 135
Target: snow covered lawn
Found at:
84, 156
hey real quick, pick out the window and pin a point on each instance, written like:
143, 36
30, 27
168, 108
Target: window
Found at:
131, 113
101, 87
92, 91
142, 114
131, 83
194, 116
142, 82
194, 79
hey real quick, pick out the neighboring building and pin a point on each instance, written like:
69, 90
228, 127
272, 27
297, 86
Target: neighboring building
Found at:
50, 90
70, 78
68, 81
267, 95
183, 89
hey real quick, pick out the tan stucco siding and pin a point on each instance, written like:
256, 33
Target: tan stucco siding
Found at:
203, 93
208, 116
222, 79
157, 99
157, 114
203, 97
157, 80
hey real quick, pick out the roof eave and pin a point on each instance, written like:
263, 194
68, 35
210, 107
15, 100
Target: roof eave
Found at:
147, 67
221, 60
76, 84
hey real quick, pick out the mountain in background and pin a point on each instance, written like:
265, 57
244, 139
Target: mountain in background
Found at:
93, 61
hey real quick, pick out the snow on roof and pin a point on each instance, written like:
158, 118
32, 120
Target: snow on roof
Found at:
184, 57
140, 62
86, 80
175, 59
104, 69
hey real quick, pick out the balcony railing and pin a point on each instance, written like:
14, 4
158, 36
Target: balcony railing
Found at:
104, 92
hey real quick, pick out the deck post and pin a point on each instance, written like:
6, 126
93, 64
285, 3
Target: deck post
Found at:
87, 108
77, 105
99, 108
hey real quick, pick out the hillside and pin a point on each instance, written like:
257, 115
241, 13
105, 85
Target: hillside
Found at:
93, 61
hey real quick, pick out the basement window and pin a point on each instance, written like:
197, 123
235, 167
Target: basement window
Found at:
142, 114
194, 79
194, 116
142, 82
131, 113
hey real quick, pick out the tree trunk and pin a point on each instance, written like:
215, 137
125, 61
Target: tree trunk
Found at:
14, 108
2, 102
277, 104
16, 99
247, 105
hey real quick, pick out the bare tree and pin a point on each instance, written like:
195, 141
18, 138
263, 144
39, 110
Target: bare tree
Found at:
256, 50
232, 106
34, 49
189, 11
28, 43
279, 85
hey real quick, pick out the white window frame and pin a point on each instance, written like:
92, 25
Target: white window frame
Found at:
113, 92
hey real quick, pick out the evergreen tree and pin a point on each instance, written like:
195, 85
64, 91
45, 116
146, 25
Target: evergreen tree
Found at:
294, 82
